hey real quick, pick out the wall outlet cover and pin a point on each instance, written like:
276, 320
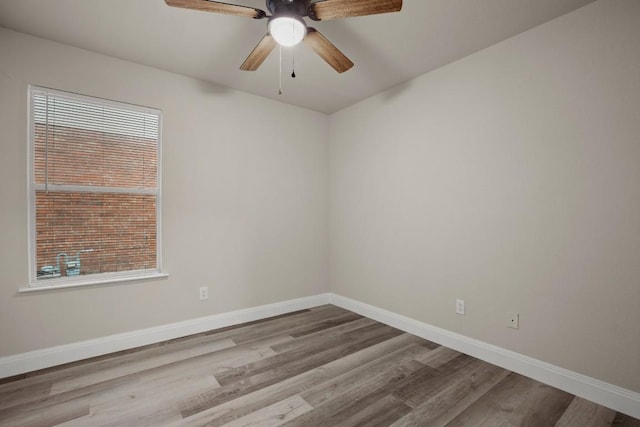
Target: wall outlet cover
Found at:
204, 293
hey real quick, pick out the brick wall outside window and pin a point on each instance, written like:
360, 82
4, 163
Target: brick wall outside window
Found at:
119, 227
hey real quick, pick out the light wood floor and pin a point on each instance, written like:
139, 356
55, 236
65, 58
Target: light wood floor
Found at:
319, 367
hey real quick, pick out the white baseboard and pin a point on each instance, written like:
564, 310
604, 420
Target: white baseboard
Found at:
45, 358
609, 395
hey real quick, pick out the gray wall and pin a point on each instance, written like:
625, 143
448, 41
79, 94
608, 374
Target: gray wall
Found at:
510, 179
243, 208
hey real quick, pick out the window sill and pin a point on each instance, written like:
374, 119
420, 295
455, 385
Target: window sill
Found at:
92, 282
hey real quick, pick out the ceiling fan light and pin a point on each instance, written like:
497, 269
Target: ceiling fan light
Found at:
287, 31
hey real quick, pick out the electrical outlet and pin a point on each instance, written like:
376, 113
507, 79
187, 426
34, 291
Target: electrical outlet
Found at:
204, 293
513, 320
460, 306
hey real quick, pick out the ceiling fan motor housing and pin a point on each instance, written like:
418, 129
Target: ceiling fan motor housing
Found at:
294, 8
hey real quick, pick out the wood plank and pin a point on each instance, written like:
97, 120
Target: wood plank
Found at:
156, 387
622, 420
194, 371
582, 413
359, 398
251, 402
212, 362
298, 353
281, 326
428, 382
44, 404
274, 415
439, 357
139, 365
323, 325
145, 404
516, 400
99, 363
50, 416
334, 331
379, 414
354, 391
384, 372
453, 396
259, 377
145, 415
25, 394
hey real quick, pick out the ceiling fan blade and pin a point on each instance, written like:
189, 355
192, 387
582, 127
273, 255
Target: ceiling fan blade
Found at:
332, 9
218, 7
327, 51
259, 53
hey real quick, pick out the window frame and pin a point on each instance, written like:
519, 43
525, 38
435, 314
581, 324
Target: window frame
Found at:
98, 278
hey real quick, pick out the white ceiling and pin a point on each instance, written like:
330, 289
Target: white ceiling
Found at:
386, 49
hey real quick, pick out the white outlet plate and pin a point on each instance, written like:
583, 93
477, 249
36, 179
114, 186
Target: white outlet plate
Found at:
204, 293
460, 306
513, 320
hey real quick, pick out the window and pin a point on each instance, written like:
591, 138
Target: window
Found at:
94, 189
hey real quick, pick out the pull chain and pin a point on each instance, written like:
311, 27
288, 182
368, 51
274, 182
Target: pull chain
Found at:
280, 73
293, 66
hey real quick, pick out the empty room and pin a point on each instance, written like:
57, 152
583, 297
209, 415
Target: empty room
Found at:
320, 213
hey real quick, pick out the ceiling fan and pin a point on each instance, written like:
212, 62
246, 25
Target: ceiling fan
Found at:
286, 26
